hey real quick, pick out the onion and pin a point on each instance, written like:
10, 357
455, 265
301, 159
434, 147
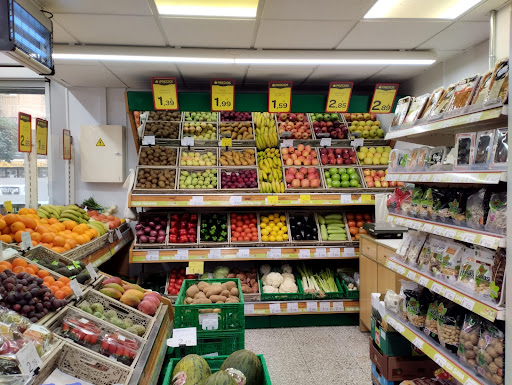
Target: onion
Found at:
161, 239
163, 223
153, 233
139, 227
152, 224
158, 227
147, 229
143, 239
140, 233
152, 239
161, 233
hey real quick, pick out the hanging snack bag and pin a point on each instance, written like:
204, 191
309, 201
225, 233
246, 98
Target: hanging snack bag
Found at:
482, 91
467, 269
464, 90
500, 149
417, 306
437, 157
450, 318
400, 112
410, 287
475, 210
430, 328
417, 194
431, 209
418, 240
450, 263
484, 144
484, 260
444, 103
497, 216
416, 109
457, 207
437, 94
490, 359
498, 274
426, 202
425, 254
405, 244
464, 145
441, 206
468, 341
498, 88
437, 250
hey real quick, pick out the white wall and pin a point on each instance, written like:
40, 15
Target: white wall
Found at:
73, 107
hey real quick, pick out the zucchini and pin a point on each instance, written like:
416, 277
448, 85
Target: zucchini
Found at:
337, 237
321, 220
323, 232
333, 216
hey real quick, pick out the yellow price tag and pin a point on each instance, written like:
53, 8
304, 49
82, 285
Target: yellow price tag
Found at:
222, 94
383, 98
66, 144
226, 142
195, 267
24, 132
338, 98
165, 94
42, 136
272, 200
366, 198
305, 199
8, 206
279, 96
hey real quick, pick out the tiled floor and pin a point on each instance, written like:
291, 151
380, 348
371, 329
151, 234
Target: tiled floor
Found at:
331, 355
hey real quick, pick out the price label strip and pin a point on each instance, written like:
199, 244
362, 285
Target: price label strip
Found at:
222, 94
183, 336
279, 96
338, 98
24, 132
42, 136
226, 142
165, 94
383, 98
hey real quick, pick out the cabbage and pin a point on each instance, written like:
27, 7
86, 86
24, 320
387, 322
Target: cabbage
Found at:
221, 272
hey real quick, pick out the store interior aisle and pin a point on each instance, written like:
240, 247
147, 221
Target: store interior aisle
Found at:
336, 355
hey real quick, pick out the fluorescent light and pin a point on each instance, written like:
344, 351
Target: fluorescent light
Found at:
334, 61
458, 9
147, 59
419, 9
208, 8
381, 9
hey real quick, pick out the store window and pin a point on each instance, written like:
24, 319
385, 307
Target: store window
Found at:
12, 162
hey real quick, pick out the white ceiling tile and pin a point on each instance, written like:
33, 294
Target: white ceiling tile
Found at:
316, 9
60, 35
11, 73
102, 7
208, 33
445, 55
141, 72
4, 59
92, 75
372, 34
257, 74
286, 34
398, 73
108, 29
143, 86
326, 74
210, 71
460, 35
482, 12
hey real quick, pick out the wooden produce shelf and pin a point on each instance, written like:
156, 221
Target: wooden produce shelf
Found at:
486, 177
300, 307
109, 250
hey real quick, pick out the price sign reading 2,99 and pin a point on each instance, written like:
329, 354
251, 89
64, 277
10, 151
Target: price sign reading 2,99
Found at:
24, 132
279, 96
383, 98
222, 94
165, 94
338, 99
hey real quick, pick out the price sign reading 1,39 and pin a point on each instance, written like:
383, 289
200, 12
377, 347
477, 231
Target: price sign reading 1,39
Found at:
338, 99
165, 95
383, 98
222, 94
42, 136
24, 132
279, 96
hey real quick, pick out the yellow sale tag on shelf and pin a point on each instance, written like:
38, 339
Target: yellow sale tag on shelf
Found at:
366, 198
305, 198
279, 96
24, 132
383, 98
195, 267
226, 142
222, 94
66, 144
165, 94
272, 200
42, 136
338, 98
8, 206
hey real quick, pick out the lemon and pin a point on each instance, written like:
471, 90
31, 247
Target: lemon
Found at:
264, 232
271, 217
280, 232
274, 233
264, 220
285, 237
271, 225
276, 215
284, 228
280, 224
272, 238
264, 238
276, 220
282, 218
263, 225
279, 238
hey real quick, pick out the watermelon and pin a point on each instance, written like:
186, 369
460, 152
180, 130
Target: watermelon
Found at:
190, 370
220, 378
248, 363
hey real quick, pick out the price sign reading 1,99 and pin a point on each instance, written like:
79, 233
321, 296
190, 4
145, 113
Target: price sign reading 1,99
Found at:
222, 94
165, 95
383, 98
338, 99
279, 96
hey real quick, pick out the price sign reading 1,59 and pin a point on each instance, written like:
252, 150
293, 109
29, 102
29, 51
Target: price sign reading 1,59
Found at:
165, 95
222, 94
279, 96
383, 98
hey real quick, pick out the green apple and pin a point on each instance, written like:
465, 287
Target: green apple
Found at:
354, 176
354, 183
350, 170
333, 170
373, 133
387, 149
368, 161
380, 150
377, 123
336, 183
345, 177
327, 174
380, 132
361, 155
345, 183
364, 149
342, 171
365, 134
372, 150
336, 177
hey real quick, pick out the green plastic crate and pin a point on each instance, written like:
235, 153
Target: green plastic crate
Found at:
330, 295
349, 294
215, 363
231, 316
213, 342
282, 296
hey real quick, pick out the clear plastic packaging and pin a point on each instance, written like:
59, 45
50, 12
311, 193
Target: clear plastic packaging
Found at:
490, 359
467, 270
498, 88
417, 194
431, 319
464, 148
437, 94
392, 301
497, 216
409, 287
450, 262
483, 89
416, 109
500, 149
81, 330
484, 144
498, 273
468, 341
464, 90
475, 211
444, 103
449, 324
414, 248
422, 158
484, 259
411, 165
437, 157
417, 306
425, 254
400, 112
119, 347
394, 159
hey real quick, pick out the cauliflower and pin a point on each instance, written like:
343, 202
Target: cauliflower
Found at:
286, 268
270, 289
264, 279
97, 307
85, 307
265, 269
288, 276
288, 286
274, 279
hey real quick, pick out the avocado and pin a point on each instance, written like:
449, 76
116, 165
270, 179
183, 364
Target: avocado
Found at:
64, 271
82, 277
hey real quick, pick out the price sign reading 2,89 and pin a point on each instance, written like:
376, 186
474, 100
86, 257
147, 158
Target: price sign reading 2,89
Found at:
24, 132
279, 96
383, 98
338, 99
222, 94
165, 95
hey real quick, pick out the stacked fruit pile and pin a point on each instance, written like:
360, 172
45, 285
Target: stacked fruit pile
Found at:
342, 177
273, 228
374, 155
266, 134
294, 126
366, 125
271, 174
300, 156
329, 126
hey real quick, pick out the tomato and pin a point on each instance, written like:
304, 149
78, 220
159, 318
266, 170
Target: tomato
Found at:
359, 216
239, 229
245, 227
172, 280
254, 238
351, 223
233, 227
359, 224
247, 239
247, 231
353, 230
350, 216
234, 239
236, 234
173, 276
254, 221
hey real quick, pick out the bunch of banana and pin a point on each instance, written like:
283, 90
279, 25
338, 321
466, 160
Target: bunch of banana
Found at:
63, 213
266, 131
100, 227
270, 171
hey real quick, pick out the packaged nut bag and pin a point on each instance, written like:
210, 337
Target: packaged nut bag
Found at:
468, 340
490, 359
449, 324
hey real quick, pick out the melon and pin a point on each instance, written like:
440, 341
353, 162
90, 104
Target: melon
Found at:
220, 378
191, 370
248, 363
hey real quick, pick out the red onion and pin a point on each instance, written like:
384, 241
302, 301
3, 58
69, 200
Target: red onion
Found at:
153, 233
161, 239
147, 229
152, 239
143, 239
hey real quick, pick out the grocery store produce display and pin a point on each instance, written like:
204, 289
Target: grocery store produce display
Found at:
342, 177
270, 171
374, 155
200, 130
302, 178
329, 126
365, 125
337, 156
265, 132
198, 179
206, 157
214, 228
294, 126
236, 130
273, 228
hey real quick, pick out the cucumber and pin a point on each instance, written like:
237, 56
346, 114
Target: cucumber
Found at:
337, 237
321, 220
323, 232
333, 216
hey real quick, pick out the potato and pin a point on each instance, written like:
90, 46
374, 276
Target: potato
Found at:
192, 291
201, 301
232, 300
214, 290
225, 293
220, 302
217, 298
234, 291
229, 285
203, 285
200, 295
246, 289
188, 300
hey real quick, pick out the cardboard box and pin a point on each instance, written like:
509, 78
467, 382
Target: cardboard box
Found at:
401, 368
391, 343
379, 379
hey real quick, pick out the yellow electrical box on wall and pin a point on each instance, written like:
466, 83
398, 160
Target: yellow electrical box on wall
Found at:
102, 153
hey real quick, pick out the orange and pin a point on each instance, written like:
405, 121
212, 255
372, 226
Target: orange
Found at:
11, 218
28, 230
72, 243
59, 249
18, 226
33, 267
2, 268
5, 238
29, 222
67, 290
87, 236
78, 230
49, 280
23, 211
19, 262
64, 280
44, 220
43, 274
70, 224
94, 232
81, 239
43, 229
19, 269
59, 284
36, 237
60, 294
67, 246
47, 237
30, 271
47, 245
6, 263
3, 225
17, 236
54, 288
59, 241
7, 230
52, 221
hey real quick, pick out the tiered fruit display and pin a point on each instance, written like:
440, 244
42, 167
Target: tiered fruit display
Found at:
302, 177
342, 177
198, 158
201, 116
377, 178
183, 228
329, 126
244, 227
273, 228
200, 130
366, 125
270, 171
243, 157
76, 270
235, 116
355, 221
332, 227
206, 179
294, 126
236, 130
337, 156
243, 179
300, 156
374, 155
266, 133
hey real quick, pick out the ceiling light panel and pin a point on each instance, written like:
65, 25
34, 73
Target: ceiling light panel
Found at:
420, 9
208, 8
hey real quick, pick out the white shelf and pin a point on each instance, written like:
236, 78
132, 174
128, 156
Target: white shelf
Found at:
301, 307
484, 177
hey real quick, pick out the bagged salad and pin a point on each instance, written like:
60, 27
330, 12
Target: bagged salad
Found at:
497, 216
